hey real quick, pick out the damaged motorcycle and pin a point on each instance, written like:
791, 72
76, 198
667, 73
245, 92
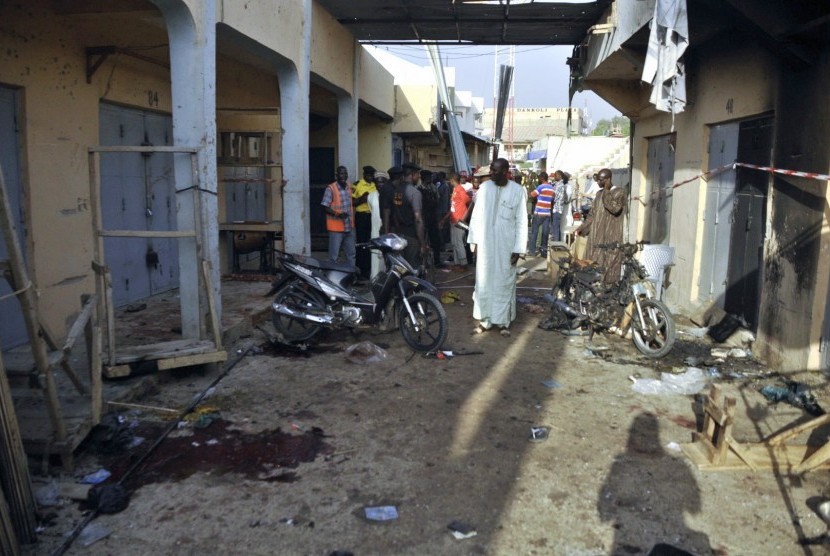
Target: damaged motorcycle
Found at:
311, 294
580, 298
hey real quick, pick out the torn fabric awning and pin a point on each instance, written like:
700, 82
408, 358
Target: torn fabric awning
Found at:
663, 68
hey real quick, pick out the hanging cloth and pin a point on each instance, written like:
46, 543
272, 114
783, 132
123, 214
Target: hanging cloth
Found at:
663, 68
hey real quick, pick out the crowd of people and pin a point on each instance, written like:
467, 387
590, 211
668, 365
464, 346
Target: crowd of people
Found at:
484, 222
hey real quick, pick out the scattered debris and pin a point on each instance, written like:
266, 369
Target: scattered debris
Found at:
538, 434
535, 309
823, 510
721, 331
794, 393
93, 533
447, 354
111, 435
674, 447
551, 383
365, 352
108, 499
689, 382
381, 513
135, 308
461, 530
48, 495
97, 477
449, 297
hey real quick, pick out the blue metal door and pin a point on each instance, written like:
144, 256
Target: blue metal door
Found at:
137, 194
660, 167
12, 325
720, 201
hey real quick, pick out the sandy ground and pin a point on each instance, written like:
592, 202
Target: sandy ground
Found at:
306, 441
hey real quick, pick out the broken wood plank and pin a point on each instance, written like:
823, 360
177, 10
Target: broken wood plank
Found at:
190, 360
787, 434
117, 371
80, 323
143, 407
164, 350
786, 458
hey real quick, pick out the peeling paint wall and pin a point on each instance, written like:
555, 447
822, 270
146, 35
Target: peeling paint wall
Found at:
43, 53
796, 263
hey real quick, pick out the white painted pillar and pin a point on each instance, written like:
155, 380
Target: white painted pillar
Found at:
192, 38
295, 87
347, 113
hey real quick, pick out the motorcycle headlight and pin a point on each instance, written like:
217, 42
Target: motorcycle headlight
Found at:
398, 243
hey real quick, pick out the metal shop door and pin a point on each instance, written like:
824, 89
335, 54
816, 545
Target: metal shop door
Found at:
321, 173
660, 165
746, 253
717, 220
137, 193
12, 326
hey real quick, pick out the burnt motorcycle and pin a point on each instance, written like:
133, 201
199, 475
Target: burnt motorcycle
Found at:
311, 294
580, 298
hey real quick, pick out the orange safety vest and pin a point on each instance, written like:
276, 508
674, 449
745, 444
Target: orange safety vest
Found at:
334, 223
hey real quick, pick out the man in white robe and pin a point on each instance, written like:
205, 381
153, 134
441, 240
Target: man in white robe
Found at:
498, 229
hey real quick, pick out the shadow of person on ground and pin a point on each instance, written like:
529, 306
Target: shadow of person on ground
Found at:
646, 495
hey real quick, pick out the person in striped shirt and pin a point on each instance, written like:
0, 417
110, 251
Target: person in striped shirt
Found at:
541, 216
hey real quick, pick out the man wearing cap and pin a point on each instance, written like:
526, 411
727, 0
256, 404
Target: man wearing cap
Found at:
498, 229
363, 216
337, 202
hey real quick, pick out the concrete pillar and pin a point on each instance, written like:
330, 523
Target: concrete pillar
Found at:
295, 87
192, 38
347, 105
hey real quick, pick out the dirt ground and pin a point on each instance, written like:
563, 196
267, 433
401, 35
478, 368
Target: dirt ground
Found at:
296, 446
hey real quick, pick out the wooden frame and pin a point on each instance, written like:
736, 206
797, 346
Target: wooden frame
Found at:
714, 448
167, 354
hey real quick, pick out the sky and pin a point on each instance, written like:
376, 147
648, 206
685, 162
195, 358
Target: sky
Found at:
540, 75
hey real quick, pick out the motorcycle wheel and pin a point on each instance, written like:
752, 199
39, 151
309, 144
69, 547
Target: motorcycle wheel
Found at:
431, 321
297, 330
657, 339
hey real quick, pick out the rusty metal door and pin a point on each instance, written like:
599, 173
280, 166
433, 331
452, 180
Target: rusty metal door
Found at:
137, 194
717, 220
12, 326
660, 168
746, 252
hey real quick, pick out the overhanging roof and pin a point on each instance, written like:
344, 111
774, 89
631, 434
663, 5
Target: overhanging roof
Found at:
467, 21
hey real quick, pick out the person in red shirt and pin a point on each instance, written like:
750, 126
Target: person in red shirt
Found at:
459, 202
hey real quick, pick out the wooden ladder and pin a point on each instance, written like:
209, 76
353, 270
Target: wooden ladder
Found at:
46, 351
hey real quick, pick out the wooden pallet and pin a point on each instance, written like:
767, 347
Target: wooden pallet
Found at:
714, 449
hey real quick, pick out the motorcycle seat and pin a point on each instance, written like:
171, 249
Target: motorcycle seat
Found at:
328, 265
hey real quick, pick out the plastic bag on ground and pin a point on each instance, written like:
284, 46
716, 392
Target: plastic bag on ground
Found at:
685, 384
365, 352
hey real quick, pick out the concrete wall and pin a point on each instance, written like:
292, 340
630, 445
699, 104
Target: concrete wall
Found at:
375, 139
414, 105
377, 85
332, 51
43, 54
257, 21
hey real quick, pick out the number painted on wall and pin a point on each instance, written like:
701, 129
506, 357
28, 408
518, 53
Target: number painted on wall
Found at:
729, 105
152, 98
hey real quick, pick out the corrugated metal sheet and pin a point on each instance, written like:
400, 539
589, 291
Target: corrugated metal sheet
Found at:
448, 21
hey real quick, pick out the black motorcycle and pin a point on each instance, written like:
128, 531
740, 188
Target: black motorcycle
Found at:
312, 294
581, 298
